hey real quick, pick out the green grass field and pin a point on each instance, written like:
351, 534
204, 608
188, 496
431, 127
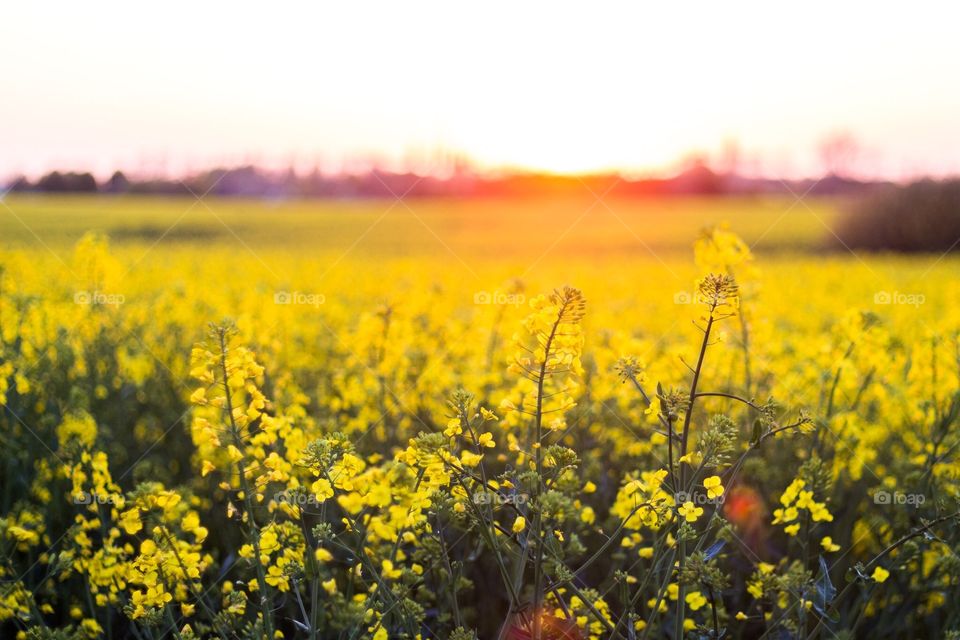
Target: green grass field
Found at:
566, 226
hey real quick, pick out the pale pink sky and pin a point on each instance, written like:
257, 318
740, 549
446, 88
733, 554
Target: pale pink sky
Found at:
542, 85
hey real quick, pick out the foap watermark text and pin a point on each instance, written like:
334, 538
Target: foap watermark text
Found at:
299, 298
899, 498
99, 298
499, 297
900, 298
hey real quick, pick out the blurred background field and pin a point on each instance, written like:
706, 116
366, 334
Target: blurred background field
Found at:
632, 253
416, 226
566, 226
323, 245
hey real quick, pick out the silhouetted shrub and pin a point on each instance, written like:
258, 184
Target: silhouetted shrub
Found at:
117, 183
922, 216
67, 182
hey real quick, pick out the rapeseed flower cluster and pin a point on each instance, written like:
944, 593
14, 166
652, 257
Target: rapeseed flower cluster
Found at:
403, 468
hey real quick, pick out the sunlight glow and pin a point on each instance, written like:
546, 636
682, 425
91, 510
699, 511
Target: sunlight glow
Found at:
539, 85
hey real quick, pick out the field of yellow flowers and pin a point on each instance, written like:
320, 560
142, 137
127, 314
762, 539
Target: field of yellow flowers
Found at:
218, 438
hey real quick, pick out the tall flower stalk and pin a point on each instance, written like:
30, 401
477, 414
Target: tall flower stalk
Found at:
720, 296
549, 358
231, 373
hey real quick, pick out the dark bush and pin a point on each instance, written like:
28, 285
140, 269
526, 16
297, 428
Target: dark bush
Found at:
922, 216
57, 182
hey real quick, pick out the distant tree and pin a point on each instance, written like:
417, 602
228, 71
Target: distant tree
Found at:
53, 181
57, 182
20, 183
82, 182
696, 178
117, 183
918, 217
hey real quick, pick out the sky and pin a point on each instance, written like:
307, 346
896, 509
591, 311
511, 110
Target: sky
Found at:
546, 86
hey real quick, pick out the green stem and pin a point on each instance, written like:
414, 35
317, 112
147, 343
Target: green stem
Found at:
684, 441
537, 516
